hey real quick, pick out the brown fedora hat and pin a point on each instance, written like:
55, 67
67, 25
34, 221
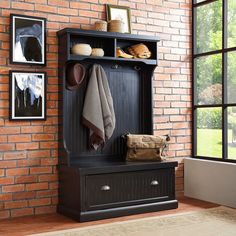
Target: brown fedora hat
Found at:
75, 75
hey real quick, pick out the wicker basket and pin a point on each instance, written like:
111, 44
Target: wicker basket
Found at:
116, 26
100, 25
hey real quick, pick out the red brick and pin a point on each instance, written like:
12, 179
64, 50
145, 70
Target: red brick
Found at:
39, 153
47, 193
27, 146
21, 5
7, 164
42, 137
14, 155
4, 103
49, 161
6, 180
54, 88
185, 111
24, 195
177, 12
36, 186
26, 179
48, 145
17, 171
31, 129
45, 210
15, 204
80, 5
78, 20
22, 212
40, 202
178, 104
53, 185
3, 112
44, 8
171, 111
61, 3
49, 178
178, 132
4, 4
40, 170
19, 138
68, 11
50, 129
3, 138
58, 18
13, 188
7, 147
188, 146
176, 147
98, 8
179, 174
2, 172
28, 162
5, 196
173, 97
177, 118
37, 1
1, 122
183, 153
162, 104
88, 13
16, 123
55, 200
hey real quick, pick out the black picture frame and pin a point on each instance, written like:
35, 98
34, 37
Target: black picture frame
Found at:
27, 95
115, 12
28, 40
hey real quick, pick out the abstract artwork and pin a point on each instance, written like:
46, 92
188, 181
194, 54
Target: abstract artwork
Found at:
28, 40
27, 95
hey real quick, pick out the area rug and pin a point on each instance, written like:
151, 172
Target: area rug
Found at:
219, 221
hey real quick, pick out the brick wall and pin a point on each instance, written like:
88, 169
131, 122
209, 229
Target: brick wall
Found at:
28, 150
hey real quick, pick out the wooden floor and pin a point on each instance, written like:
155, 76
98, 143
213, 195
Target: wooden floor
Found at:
53, 222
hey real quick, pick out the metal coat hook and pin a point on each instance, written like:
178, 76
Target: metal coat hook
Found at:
137, 68
116, 66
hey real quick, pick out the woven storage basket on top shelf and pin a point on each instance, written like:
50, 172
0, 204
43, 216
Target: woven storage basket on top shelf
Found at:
116, 26
101, 25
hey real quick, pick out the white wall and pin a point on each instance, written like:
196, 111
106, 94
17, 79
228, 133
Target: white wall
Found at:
210, 181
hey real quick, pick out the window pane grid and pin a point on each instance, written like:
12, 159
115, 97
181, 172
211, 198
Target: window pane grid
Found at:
208, 27
220, 125
197, 3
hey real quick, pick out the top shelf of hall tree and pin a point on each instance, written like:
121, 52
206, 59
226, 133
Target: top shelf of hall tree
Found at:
109, 41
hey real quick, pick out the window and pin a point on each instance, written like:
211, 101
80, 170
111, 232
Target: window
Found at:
214, 79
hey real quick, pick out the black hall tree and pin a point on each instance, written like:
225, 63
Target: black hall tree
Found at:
101, 184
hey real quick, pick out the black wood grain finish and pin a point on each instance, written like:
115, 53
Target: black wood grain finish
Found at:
130, 107
131, 190
104, 191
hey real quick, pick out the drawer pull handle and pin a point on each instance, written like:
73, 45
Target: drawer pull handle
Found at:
154, 183
105, 188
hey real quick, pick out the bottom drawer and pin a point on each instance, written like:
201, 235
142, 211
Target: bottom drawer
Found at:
118, 189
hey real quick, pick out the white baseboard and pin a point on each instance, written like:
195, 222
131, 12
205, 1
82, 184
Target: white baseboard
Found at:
210, 181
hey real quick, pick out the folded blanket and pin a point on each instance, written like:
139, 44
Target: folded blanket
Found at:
98, 111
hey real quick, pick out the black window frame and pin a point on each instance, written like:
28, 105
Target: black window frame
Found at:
224, 104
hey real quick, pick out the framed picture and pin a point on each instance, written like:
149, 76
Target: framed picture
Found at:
28, 40
119, 13
27, 95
